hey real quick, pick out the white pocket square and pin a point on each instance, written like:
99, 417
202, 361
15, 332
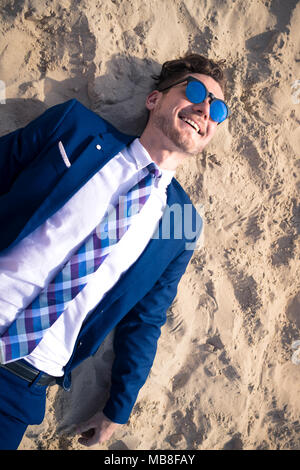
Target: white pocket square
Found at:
63, 154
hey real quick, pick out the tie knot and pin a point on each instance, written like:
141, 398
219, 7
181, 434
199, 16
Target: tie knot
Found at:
154, 170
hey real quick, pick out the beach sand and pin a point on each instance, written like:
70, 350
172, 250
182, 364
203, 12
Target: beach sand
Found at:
223, 377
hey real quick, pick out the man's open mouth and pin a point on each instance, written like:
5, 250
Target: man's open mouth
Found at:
191, 123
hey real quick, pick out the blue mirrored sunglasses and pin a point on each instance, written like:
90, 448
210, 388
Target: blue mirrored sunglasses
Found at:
196, 92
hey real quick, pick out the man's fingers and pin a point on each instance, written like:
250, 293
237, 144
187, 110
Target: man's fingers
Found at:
86, 426
96, 430
89, 441
88, 434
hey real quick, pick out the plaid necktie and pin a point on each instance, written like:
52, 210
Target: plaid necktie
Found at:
27, 330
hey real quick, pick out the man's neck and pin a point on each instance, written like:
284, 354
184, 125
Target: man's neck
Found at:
161, 152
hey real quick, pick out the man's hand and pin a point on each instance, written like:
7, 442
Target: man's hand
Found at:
96, 430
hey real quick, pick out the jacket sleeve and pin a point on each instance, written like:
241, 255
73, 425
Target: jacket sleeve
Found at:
19, 148
135, 340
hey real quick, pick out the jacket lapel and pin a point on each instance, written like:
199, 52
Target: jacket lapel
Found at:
97, 153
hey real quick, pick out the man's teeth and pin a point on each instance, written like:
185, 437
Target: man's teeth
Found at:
192, 123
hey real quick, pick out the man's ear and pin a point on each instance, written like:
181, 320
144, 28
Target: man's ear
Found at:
152, 99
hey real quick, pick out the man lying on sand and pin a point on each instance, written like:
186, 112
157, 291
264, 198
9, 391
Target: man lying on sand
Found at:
83, 248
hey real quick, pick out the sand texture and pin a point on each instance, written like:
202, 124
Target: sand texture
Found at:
223, 377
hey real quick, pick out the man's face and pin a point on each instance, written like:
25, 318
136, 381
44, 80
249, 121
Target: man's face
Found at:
169, 112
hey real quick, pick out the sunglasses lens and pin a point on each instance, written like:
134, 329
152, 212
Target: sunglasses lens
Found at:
195, 92
218, 111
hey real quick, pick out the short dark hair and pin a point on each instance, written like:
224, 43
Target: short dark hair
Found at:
174, 70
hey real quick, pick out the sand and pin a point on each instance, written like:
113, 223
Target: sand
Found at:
223, 377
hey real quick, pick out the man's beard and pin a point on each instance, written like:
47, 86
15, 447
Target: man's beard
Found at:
181, 140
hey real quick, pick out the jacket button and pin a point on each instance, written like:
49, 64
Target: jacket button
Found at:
98, 147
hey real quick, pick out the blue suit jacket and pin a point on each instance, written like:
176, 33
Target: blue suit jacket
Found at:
35, 183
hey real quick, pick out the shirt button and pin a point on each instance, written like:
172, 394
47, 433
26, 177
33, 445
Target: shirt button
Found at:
98, 147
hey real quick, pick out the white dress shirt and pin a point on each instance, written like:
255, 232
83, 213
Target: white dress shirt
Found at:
28, 267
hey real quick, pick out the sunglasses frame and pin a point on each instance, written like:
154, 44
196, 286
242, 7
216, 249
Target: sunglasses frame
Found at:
208, 93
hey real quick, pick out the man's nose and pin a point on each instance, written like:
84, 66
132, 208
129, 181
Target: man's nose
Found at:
203, 108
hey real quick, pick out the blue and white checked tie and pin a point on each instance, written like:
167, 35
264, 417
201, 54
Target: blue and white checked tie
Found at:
27, 330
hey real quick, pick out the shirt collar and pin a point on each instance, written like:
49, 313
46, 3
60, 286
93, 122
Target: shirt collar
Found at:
142, 159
